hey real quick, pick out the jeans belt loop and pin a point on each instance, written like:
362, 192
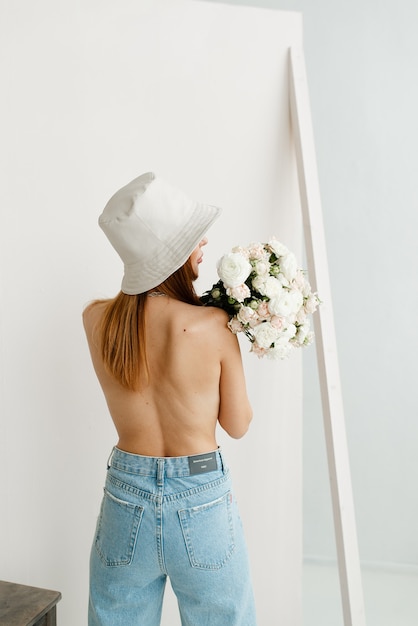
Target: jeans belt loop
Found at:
109, 460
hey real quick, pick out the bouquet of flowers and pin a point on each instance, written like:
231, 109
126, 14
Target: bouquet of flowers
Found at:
266, 296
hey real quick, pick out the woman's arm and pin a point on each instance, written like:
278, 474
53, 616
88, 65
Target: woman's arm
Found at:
235, 412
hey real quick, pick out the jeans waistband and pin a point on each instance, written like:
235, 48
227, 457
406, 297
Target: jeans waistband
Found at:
171, 466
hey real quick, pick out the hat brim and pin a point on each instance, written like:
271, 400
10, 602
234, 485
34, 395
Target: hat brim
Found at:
141, 277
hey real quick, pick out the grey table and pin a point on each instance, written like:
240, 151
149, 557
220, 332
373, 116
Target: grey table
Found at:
21, 605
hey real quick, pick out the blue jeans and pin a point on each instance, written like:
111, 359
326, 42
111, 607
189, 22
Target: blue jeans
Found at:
176, 517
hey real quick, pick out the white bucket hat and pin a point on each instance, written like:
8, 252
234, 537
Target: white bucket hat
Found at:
154, 228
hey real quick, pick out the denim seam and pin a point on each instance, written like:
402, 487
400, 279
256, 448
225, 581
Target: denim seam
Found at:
130, 489
198, 489
169, 497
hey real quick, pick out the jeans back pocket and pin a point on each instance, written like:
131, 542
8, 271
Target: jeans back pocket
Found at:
208, 532
117, 530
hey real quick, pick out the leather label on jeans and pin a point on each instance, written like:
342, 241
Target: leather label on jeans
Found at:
201, 463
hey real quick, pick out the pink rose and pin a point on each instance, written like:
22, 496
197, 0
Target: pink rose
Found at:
263, 310
256, 251
240, 250
260, 352
235, 326
239, 293
246, 315
277, 322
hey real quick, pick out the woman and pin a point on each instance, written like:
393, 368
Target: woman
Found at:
170, 370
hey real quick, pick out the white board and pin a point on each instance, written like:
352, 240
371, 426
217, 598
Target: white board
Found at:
328, 367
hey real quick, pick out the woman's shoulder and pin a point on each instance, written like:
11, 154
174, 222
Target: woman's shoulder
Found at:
212, 316
92, 313
218, 316
211, 324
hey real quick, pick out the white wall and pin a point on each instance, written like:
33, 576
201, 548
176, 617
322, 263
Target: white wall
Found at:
94, 93
362, 63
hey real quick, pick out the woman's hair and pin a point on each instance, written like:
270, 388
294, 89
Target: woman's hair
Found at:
121, 329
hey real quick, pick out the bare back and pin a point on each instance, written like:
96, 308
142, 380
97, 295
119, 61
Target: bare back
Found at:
196, 379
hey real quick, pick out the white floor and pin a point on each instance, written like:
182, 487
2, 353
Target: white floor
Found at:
390, 596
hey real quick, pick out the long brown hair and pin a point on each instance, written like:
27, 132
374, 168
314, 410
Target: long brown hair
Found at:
121, 329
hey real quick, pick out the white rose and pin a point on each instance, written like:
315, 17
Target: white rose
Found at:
303, 332
311, 304
301, 316
262, 267
278, 248
233, 269
287, 303
282, 278
288, 266
265, 334
278, 306
258, 283
289, 331
272, 287
306, 289
297, 300
299, 280
281, 350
